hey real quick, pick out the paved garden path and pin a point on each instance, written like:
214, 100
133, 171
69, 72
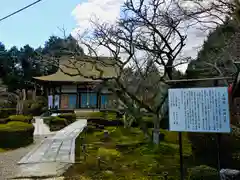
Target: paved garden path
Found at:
40, 127
49, 156
53, 155
9, 160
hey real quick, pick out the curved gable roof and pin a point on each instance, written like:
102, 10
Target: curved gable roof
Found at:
83, 69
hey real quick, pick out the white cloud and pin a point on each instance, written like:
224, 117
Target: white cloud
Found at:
101, 10
109, 11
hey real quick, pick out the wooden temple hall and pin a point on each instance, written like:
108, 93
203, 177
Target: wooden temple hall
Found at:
73, 86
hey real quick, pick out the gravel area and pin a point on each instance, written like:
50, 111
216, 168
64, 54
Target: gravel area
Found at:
9, 159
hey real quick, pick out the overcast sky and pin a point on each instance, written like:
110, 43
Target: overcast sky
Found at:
109, 11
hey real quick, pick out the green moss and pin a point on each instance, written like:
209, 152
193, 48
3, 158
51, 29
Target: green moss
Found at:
100, 115
21, 118
16, 134
15, 126
56, 119
56, 123
127, 155
203, 172
6, 112
70, 117
172, 137
108, 154
86, 114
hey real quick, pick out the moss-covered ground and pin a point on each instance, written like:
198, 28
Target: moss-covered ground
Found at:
125, 154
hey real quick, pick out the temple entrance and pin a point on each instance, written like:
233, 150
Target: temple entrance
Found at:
68, 101
88, 100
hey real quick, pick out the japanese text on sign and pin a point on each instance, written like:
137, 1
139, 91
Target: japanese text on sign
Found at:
199, 110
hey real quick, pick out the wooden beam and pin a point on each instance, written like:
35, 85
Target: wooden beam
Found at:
201, 79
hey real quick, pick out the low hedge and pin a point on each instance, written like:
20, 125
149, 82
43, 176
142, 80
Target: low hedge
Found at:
109, 115
16, 134
70, 117
55, 123
62, 111
89, 114
36, 109
105, 122
205, 152
6, 112
21, 118
203, 173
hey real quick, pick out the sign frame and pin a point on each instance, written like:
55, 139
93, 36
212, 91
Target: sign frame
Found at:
202, 110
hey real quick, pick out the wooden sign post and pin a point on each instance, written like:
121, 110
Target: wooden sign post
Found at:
203, 110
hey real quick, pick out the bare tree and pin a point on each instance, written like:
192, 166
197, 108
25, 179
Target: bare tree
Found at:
149, 35
207, 14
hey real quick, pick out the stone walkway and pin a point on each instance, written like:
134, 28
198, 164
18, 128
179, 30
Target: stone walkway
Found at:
54, 155
9, 159
40, 127
49, 156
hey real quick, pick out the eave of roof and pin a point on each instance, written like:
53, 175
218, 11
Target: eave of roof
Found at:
82, 69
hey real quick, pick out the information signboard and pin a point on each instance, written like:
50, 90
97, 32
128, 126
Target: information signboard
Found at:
199, 110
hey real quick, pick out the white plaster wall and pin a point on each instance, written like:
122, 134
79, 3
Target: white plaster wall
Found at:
69, 88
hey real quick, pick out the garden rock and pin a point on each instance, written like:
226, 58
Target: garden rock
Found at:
230, 174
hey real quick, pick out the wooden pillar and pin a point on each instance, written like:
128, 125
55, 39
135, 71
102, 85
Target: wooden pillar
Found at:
98, 100
60, 97
78, 97
53, 95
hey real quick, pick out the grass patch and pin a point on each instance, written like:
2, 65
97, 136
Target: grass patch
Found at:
119, 153
2, 150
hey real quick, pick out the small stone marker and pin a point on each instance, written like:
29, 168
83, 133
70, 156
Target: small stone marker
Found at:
106, 134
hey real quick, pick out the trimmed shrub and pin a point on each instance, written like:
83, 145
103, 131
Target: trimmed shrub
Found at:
36, 109
95, 115
104, 122
55, 123
4, 121
39, 106
16, 134
103, 114
58, 123
60, 111
70, 117
6, 112
47, 120
203, 173
204, 148
21, 118
27, 106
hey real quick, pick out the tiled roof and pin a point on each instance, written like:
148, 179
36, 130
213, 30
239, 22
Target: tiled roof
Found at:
83, 69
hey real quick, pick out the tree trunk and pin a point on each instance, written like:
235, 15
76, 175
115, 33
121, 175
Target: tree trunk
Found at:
18, 106
34, 93
21, 106
144, 128
156, 130
23, 94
